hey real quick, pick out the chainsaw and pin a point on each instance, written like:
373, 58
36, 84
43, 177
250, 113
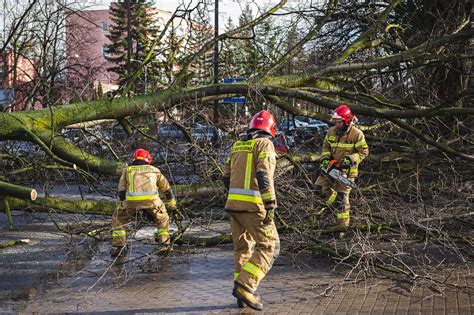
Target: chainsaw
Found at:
334, 171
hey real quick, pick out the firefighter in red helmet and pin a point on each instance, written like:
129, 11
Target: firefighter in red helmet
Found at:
345, 143
139, 189
251, 202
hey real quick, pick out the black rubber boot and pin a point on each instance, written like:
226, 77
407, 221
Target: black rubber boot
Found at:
252, 300
240, 303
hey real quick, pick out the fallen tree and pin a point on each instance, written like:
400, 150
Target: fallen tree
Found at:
410, 84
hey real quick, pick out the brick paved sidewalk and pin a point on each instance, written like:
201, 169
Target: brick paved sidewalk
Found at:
201, 282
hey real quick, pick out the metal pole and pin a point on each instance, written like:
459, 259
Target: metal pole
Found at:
216, 56
129, 39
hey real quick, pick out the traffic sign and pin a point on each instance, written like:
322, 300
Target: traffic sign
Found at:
235, 100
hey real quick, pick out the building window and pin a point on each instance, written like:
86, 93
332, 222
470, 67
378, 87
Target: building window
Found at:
2, 74
105, 26
105, 51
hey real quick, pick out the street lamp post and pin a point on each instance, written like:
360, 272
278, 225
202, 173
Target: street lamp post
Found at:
216, 57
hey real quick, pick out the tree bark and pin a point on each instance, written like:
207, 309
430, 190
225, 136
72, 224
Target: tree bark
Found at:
21, 192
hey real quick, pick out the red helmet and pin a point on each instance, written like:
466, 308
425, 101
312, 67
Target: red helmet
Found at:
265, 121
343, 112
144, 155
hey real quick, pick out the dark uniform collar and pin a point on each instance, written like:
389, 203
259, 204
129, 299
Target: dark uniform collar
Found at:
341, 133
139, 162
256, 133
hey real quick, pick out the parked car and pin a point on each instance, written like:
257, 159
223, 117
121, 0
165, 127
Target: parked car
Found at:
24, 148
303, 130
199, 132
206, 132
169, 131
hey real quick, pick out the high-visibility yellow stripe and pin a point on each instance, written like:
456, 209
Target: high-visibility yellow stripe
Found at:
264, 154
331, 199
361, 144
171, 203
130, 180
236, 275
238, 197
253, 270
341, 145
243, 146
248, 171
356, 158
139, 198
163, 231
119, 233
343, 215
353, 170
140, 168
268, 196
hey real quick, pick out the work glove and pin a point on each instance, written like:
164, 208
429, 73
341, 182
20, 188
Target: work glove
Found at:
346, 162
171, 205
269, 216
177, 216
122, 194
270, 207
324, 162
226, 181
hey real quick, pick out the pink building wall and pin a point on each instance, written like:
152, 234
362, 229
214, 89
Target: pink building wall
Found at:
16, 79
86, 38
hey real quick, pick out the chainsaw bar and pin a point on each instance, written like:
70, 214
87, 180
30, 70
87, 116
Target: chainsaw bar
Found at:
338, 176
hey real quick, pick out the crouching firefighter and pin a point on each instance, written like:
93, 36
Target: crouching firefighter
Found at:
344, 146
251, 203
139, 189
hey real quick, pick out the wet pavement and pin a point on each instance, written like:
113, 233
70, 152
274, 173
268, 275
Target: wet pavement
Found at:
26, 269
199, 280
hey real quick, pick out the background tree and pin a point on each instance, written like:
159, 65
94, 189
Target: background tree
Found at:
143, 31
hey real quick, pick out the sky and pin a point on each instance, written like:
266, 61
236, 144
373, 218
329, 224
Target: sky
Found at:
227, 8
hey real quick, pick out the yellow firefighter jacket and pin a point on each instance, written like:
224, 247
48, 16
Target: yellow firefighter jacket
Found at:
352, 144
249, 172
142, 184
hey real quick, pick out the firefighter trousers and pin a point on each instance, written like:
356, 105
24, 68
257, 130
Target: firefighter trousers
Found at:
336, 196
256, 246
122, 216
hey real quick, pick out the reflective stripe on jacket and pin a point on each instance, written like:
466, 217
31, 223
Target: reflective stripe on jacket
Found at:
352, 143
246, 159
143, 184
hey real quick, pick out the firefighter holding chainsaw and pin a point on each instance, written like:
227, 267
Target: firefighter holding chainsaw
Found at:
139, 189
344, 148
251, 203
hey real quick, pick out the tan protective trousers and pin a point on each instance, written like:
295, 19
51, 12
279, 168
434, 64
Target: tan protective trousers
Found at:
256, 246
122, 216
336, 196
